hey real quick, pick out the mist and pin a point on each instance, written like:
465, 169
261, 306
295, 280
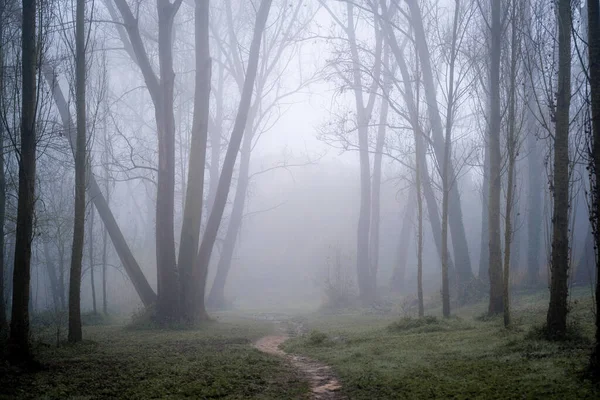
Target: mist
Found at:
330, 166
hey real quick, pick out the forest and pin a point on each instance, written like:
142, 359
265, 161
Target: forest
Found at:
291, 199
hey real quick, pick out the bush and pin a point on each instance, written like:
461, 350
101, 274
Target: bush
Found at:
316, 338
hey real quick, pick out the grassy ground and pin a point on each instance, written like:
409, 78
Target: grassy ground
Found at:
216, 361
462, 358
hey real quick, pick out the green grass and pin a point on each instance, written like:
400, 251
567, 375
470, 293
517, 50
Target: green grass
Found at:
464, 357
215, 361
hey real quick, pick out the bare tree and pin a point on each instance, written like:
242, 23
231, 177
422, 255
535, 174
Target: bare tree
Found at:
75, 333
200, 269
593, 11
494, 129
559, 265
192, 216
19, 324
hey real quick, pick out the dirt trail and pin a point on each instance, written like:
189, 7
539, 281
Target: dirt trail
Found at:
323, 383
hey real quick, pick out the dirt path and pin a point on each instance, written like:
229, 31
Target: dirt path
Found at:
323, 383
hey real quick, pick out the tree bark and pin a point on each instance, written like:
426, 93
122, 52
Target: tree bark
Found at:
126, 257
200, 271
484, 252
593, 11
495, 268
512, 141
559, 264
19, 325
3, 319
91, 260
419, 238
75, 333
192, 216
457, 229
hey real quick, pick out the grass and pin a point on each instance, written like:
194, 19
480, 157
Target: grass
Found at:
464, 357
215, 361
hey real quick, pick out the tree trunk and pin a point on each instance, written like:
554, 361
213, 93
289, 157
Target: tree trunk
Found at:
91, 259
420, 148
559, 264
19, 324
192, 216
53, 278
484, 252
459, 240
168, 299
495, 268
397, 281
376, 193
593, 11
216, 296
126, 257
512, 142
419, 239
104, 230
446, 177
3, 319
366, 286
200, 271
75, 334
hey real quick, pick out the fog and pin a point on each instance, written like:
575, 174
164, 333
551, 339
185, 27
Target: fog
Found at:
326, 167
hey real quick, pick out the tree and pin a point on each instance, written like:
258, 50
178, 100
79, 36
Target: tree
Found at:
593, 11
91, 259
495, 119
200, 268
192, 216
128, 261
75, 334
160, 89
559, 265
3, 320
446, 184
459, 241
19, 324
512, 151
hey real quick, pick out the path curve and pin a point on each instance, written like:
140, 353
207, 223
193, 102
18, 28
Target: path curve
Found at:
323, 383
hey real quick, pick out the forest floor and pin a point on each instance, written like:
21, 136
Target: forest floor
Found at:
114, 362
369, 353
465, 357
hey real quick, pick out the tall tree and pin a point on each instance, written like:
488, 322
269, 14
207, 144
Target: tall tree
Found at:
512, 149
495, 252
459, 241
19, 324
445, 168
160, 89
132, 268
75, 333
593, 11
559, 264
200, 269
192, 216
91, 260
3, 320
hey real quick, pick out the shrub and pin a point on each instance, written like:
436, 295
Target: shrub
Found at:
316, 338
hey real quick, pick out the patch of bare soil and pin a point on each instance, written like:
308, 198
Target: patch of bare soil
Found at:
323, 383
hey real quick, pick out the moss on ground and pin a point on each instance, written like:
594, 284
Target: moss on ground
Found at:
465, 357
214, 361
